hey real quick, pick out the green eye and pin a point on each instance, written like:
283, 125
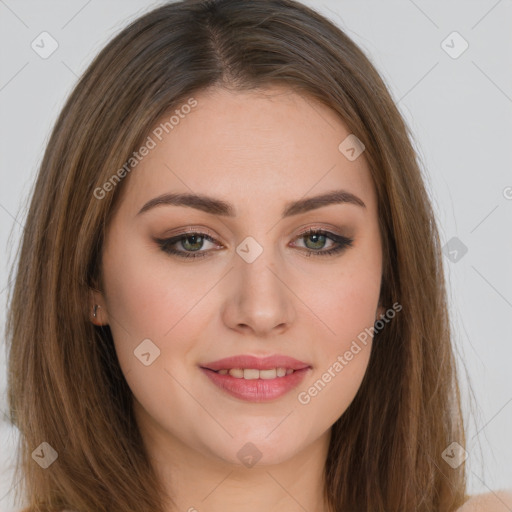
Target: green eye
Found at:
192, 243
319, 238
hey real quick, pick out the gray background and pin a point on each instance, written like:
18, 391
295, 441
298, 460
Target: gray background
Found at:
459, 110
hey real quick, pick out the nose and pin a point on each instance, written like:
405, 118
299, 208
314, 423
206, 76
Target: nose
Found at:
258, 299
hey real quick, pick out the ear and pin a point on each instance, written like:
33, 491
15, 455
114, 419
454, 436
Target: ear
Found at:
97, 305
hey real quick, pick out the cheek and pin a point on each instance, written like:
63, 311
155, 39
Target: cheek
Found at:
146, 294
350, 299
333, 387
151, 308
150, 298
145, 299
344, 355
348, 309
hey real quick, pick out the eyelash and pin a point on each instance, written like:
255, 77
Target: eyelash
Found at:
166, 244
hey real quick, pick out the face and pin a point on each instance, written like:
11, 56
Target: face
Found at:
281, 288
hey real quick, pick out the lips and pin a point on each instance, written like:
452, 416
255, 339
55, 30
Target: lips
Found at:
256, 379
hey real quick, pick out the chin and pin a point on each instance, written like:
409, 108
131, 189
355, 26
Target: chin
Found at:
259, 448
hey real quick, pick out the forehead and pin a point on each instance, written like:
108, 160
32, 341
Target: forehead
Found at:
267, 144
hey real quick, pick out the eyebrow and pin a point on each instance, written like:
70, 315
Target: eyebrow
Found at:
218, 207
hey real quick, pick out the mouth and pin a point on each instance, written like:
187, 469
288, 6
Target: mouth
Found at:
253, 373
256, 379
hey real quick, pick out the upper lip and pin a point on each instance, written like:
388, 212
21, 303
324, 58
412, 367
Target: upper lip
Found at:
258, 363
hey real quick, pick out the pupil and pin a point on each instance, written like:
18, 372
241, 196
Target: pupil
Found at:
194, 242
319, 239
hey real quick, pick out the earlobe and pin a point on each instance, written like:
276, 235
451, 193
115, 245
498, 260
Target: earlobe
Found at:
97, 315
97, 311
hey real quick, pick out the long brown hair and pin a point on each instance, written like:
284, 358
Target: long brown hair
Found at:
66, 387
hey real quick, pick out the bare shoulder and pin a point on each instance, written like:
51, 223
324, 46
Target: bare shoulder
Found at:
498, 501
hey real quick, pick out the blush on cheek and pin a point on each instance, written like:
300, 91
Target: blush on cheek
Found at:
135, 298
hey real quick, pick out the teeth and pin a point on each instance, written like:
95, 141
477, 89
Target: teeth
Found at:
252, 373
268, 374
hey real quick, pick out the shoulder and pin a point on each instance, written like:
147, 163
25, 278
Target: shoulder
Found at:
498, 501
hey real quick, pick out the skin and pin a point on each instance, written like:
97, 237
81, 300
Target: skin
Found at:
258, 151
499, 501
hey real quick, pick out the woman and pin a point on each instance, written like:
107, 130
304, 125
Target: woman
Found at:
230, 290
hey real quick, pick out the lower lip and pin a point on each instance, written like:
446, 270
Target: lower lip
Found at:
257, 390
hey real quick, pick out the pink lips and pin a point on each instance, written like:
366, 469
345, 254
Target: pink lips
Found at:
256, 390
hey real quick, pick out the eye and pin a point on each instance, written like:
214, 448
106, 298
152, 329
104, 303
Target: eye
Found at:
192, 242
319, 237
